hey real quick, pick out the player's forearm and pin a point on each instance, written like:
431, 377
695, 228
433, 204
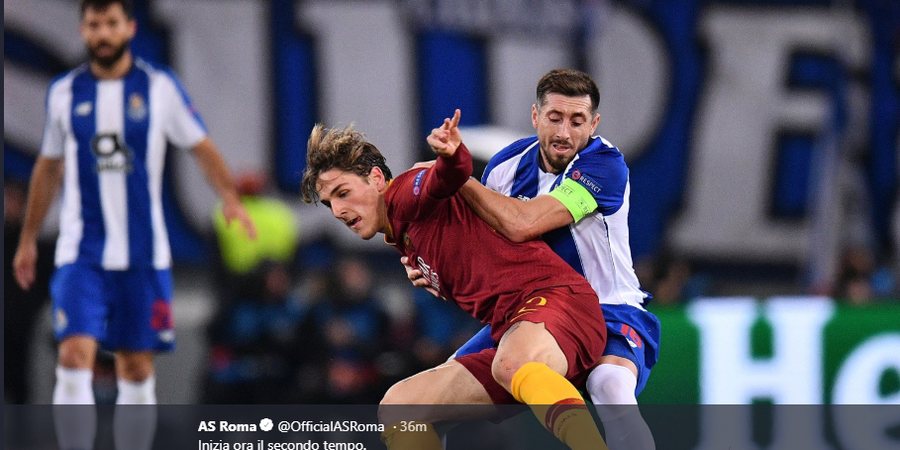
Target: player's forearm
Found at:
505, 214
46, 179
215, 170
450, 173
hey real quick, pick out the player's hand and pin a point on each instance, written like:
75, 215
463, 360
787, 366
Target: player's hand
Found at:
24, 264
446, 139
417, 277
234, 210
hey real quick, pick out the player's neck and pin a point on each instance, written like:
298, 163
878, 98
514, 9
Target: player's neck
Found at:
117, 70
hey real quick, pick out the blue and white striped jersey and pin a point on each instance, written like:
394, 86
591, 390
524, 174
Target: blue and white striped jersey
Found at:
597, 245
112, 135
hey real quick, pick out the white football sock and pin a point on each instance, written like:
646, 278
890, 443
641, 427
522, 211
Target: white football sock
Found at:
134, 422
612, 391
75, 418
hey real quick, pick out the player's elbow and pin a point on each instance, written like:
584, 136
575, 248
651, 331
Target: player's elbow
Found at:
521, 230
518, 236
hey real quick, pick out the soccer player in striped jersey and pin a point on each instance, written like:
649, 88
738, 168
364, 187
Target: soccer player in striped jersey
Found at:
108, 124
571, 189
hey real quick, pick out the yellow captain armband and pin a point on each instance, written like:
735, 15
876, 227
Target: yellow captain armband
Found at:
575, 197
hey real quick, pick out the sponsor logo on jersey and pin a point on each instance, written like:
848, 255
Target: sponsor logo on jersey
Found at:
429, 273
137, 107
417, 183
84, 108
112, 154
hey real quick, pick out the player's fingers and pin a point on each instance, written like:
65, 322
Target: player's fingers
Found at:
455, 122
24, 276
249, 226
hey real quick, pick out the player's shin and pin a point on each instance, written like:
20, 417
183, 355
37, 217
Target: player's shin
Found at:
558, 406
612, 390
134, 422
75, 417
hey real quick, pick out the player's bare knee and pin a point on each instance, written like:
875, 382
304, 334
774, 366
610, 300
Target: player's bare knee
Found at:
77, 352
503, 369
134, 367
395, 405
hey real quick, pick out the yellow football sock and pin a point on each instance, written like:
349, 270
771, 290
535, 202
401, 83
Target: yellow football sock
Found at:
400, 437
557, 404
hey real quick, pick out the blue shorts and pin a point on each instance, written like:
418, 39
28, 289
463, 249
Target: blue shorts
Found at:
632, 333
122, 309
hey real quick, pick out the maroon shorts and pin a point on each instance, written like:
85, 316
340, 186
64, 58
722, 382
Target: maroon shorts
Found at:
570, 313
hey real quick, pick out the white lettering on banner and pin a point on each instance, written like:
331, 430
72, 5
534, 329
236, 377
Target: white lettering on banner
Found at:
224, 70
366, 72
624, 46
857, 383
745, 105
729, 374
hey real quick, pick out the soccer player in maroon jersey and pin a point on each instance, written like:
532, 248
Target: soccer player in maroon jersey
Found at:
545, 316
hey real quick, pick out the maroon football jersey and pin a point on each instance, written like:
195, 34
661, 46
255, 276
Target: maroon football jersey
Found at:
465, 259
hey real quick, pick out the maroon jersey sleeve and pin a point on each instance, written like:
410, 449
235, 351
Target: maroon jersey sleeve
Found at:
416, 193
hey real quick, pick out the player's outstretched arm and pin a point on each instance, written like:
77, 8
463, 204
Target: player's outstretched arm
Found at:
220, 178
45, 181
517, 220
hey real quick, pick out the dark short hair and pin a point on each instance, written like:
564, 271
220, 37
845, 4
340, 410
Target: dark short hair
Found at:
101, 5
342, 149
568, 82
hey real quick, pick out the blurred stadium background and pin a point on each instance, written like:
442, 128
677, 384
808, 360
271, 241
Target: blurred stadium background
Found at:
762, 138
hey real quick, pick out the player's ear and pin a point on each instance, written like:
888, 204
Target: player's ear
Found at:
534, 116
376, 177
594, 122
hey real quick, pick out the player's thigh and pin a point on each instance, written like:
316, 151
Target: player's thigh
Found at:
446, 392
78, 351
619, 361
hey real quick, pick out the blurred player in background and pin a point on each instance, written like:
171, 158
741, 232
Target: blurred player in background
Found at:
576, 187
108, 123
546, 343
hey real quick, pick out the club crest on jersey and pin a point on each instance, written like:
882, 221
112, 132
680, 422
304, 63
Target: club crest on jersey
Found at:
407, 242
112, 154
137, 107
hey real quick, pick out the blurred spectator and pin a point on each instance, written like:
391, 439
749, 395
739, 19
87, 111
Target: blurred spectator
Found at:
859, 279
670, 280
346, 333
442, 327
21, 308
256, 343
